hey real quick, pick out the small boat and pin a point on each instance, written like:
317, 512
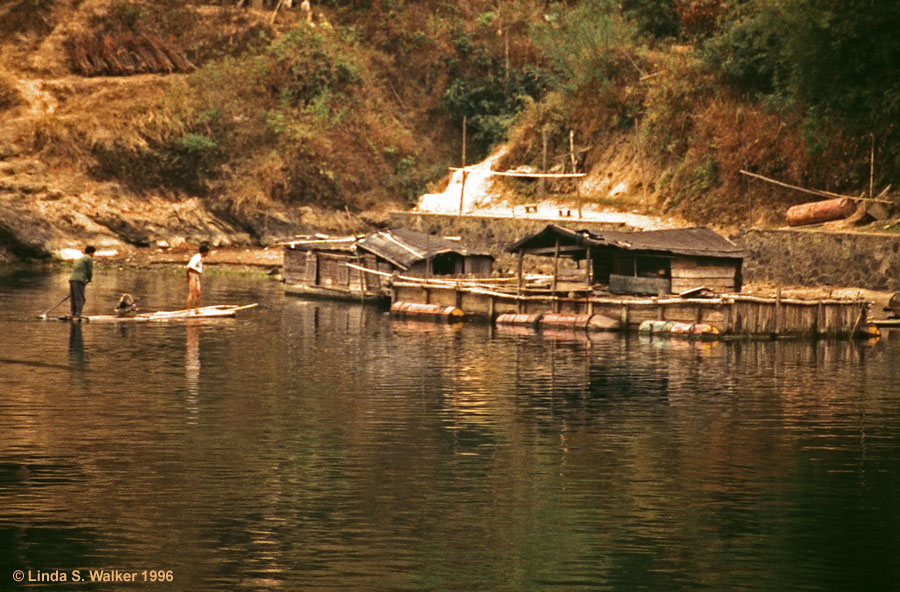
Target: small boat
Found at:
204, 312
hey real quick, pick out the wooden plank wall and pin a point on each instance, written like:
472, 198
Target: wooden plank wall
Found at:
294, 265
688, 274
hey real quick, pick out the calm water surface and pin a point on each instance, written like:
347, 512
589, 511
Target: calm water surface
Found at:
312, 446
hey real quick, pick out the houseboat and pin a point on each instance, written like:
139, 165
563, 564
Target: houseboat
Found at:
361, 267
679, 282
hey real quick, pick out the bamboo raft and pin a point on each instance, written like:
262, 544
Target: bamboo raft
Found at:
217, 311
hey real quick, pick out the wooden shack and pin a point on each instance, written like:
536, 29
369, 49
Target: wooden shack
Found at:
422, 255
655, 262
319, 265
360, 266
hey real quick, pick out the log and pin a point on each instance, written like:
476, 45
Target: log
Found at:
820, 211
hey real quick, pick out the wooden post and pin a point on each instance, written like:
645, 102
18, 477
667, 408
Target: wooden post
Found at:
427, 255
462, 190
588, 268
555, 265
640, 151
275, 12
820, 318
362, 279
543, 160
572, 157
872, 167
506, 58
316, 270
519, 257
778, 310
859, 316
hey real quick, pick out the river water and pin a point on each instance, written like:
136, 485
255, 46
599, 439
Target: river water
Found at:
310, 445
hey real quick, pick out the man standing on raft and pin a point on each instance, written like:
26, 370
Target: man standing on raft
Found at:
82, 273
194, 269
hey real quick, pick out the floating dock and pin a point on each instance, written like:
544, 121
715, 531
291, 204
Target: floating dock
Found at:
722, 315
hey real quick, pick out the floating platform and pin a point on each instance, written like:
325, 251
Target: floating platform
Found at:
720, 316
205, 312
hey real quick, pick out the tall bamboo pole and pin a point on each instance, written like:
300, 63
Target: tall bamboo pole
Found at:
872, 167
543, 159
572, 157
462, 190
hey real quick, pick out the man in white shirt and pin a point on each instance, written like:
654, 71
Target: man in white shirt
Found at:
194, 269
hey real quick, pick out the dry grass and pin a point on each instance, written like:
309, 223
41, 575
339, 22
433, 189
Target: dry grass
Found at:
9, 95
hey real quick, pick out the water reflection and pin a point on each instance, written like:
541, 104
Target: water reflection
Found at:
346, 449
76, 346
192, 367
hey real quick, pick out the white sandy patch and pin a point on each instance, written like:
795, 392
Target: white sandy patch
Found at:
480, 199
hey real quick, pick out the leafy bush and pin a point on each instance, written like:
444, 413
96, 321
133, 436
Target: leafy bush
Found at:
580, 44
671, 105
491, 102
750, 52
827, 62
304, 64
656, 18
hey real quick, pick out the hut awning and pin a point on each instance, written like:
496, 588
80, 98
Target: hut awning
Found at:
403, 247
698, 242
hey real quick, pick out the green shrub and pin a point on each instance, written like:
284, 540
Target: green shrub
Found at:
580, 44
306, 63
656, 18
491, 101
750, 52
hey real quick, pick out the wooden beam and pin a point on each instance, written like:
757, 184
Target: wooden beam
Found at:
527, 175
275, 12
554, 250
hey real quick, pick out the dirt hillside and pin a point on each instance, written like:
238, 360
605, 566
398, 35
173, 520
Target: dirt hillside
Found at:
52, 118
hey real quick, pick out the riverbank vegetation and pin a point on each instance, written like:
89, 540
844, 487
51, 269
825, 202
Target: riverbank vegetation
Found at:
363, 110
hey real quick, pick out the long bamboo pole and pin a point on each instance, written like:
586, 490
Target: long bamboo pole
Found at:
462, 189
872, 167
819, 192
543, 159
529, 175
572, 157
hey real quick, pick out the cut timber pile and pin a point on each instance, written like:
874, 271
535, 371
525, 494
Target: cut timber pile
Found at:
125, 54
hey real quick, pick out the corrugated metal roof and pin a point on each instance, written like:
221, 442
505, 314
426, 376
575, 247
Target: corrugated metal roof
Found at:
698, 241
403, 247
